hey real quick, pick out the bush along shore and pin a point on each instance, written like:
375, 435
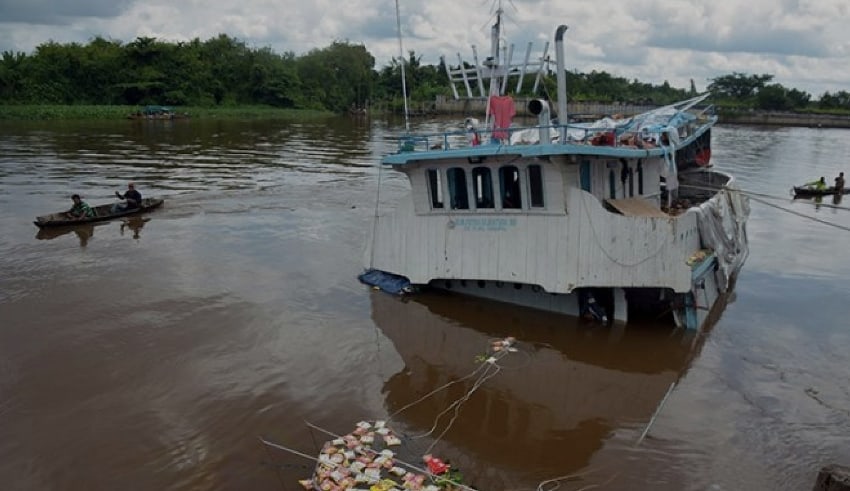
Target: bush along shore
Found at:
442, 106
103, 112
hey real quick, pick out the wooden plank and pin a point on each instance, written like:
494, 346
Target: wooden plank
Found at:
637, 207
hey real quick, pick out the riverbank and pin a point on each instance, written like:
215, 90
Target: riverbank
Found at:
95, 112
442, 106
774, 118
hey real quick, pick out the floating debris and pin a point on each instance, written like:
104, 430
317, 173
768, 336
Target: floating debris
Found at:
365, 459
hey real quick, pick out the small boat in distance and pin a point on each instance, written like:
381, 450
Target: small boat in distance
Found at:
102, 213
809, 192
615, 219
157, 112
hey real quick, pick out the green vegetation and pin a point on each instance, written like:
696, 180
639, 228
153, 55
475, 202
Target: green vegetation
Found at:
93, 112
603, 87
105, 77
222, 77
739, 91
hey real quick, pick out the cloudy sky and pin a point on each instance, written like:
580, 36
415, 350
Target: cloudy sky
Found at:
805, 44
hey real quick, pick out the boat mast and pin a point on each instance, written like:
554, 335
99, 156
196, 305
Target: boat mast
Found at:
403, 77
493, 61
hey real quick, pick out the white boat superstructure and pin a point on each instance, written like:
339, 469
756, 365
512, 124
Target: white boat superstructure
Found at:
609, 219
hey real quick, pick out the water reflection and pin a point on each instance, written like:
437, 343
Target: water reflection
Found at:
83, 231
134, 224
555, 402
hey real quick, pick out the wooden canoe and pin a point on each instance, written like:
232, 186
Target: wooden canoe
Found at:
101, 213
806, 192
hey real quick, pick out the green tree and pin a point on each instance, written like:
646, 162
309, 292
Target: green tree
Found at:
338, 76
12, 78
838, 100
773, 97
738, 85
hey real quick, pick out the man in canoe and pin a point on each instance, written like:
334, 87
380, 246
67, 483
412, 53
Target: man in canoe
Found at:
81, 209
132, 197
839, 183
818, 185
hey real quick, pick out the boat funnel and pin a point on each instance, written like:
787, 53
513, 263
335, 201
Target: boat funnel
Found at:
562, 81
540, 108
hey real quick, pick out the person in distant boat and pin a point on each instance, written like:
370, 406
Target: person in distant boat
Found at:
132, 197
80, 210
818, 185
839, 183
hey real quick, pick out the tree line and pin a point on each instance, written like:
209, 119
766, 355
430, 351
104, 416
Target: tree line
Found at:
221, 71
224, 71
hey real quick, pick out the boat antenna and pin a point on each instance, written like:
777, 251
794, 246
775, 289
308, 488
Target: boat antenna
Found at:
403, 77
493, 61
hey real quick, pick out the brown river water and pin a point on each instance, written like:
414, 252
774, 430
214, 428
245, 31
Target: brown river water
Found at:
154, 353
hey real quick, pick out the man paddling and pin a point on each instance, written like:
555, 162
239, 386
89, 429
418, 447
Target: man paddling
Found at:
818, 185
131, 196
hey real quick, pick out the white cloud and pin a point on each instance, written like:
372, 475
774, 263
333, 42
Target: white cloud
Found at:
801, 42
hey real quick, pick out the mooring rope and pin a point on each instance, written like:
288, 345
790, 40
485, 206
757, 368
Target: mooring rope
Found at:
763, 199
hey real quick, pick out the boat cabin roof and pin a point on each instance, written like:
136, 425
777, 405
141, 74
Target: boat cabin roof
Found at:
453, 145
654, 133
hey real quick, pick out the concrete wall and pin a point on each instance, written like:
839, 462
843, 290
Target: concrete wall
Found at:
771, 118
477, 108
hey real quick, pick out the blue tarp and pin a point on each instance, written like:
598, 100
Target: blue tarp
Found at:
388, 282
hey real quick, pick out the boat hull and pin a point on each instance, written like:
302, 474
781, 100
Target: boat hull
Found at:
580, 303
102, 213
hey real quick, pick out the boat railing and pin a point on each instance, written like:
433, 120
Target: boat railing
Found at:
577, 134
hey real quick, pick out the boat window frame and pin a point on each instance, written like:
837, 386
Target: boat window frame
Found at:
516, 187
435, 189
640, 176
458, 190
536, 187
482, 195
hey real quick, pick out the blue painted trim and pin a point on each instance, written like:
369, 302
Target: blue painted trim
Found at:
698, 272
701, 269
690, 312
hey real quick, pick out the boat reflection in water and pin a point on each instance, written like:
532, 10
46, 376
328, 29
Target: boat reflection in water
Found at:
84, 232
134, 224
552, 407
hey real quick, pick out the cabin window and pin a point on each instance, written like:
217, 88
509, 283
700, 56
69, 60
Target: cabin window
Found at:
612, 184
631, 182
640, 176
624, 176
509, 186
482, 187
458, 197
535, 185
435, 188
584, 174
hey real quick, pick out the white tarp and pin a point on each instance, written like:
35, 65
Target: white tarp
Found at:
722, 227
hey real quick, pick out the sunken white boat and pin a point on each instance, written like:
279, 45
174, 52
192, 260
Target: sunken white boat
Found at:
612, 219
